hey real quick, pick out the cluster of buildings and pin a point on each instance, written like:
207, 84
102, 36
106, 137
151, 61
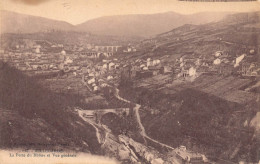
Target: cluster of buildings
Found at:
102, 74
43, 57
129, 48
95, 52
148, 154
32, 63
189, 157
219, 63
111, 72
142, 68
191, 66
243, 64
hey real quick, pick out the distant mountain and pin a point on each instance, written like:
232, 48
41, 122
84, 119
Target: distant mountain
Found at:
235, 34
12, 22
123, 25
146, 25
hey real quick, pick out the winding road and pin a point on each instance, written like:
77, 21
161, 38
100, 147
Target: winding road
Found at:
99, 138
143, 133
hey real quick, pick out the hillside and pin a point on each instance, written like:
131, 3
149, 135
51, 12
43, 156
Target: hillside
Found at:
235, 34
123, 25
67, 38
33, 117
137, 25
12, 22
202, 122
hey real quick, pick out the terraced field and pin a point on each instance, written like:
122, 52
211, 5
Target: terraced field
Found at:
228, 88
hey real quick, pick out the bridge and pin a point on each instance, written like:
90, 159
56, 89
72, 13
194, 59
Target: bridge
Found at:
107, 48
98, 113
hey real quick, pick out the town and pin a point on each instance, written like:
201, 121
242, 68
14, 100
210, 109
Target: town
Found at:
98, 67
188, 95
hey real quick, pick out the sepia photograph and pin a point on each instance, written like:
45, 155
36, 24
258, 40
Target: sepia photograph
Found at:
129, 82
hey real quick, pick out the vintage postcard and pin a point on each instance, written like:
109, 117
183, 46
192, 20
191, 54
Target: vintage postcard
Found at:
129, 81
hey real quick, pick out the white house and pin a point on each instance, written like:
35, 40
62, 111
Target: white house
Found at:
218, 53
239, 59
104, 66
37, 50
63, 52
68, 61
252, 51
192, 71
217, 61
181, 59
91, 81
95, 88
104, 85
156, 62
142, 65
149, 62
109, 77
111, 65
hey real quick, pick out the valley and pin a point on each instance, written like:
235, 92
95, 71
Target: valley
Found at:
186, 94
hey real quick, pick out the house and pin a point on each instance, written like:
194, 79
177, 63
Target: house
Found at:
145, 68
250, 69
166, 69
95, 88
218, 53
117, 66
155, 70
149, 62
105, 66
156, 62
192, 71
91, 81
63, 52
103, 85
111, 65
189, 157
225, 69
109, 77
37, 50
68, 60
142, 65
239, 59
184, 73
217, 61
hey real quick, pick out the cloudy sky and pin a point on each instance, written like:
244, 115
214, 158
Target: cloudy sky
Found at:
78, 11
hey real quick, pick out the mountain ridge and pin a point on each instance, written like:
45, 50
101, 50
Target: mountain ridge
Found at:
118, 25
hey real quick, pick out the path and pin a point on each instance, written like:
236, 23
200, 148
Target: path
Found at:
136, 108
91, 123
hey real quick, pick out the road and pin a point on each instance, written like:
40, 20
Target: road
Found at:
106, 138
99, 138
143, 133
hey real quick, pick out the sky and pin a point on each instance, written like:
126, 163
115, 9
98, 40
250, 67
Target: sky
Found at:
79, 11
